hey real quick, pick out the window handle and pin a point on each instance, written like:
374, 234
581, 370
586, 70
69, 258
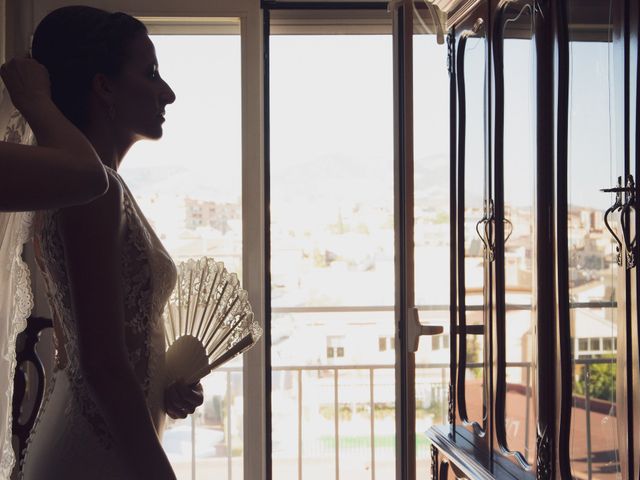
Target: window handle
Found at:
625, 216
482, 221
415, 329
483, 229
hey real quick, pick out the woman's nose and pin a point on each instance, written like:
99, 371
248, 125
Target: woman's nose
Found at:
168, 96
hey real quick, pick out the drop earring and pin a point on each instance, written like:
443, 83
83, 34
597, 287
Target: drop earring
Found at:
112, 111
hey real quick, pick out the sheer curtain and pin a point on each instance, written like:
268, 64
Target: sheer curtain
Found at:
16, 299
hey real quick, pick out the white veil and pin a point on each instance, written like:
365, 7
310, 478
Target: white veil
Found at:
16, 298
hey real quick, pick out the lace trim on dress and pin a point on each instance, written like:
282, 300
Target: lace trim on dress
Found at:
137, 298
24, 295
23, 304
147, 330
147, 276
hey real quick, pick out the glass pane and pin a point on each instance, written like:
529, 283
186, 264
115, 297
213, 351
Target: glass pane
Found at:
472, 106
431, 227
519, 213
474, 164
189, 187
332, 256
592, 257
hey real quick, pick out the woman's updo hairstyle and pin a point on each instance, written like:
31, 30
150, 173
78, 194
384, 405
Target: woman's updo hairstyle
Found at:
76, 43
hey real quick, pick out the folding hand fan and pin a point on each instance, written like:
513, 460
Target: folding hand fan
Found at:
208, 320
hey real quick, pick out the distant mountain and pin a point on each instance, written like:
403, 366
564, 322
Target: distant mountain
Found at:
148, 179
350, 179
431, 181
326, 179
178, 180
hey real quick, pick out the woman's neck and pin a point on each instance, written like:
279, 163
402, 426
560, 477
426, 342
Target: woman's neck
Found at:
110, 150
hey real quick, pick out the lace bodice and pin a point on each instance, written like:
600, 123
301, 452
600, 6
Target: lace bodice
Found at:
148, 277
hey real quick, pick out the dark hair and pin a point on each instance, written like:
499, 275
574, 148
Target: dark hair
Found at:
74, 44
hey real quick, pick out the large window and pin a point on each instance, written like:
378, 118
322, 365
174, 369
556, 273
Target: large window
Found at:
189, 187
332, 256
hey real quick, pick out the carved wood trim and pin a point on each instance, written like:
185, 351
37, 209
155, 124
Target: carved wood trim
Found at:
544, 456
434, 463
545, 264
564, 381
462, 13
444, 470
451, 410
462, 340
26, 354
453, 195
471, 27
467, 458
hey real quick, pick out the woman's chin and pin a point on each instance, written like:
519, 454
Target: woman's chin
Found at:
152, 133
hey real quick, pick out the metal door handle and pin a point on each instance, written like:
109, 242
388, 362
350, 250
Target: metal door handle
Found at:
415, 329
625, 203
485, 234
482, 221
508, 222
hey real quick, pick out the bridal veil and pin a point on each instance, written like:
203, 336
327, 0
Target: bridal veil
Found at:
16, 299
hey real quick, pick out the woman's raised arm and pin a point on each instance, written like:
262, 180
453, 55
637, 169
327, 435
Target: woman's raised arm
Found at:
63, 169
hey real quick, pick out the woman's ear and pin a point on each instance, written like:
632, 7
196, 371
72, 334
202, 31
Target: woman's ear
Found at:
103, 89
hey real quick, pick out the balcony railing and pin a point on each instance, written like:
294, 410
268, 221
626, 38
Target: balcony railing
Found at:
334, 372
436, 384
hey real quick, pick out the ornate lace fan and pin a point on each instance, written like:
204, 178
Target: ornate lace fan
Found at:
208, 320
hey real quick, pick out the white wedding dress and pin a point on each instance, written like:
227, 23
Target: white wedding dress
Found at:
71, 439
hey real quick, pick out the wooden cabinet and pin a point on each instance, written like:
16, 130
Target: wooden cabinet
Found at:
546, 378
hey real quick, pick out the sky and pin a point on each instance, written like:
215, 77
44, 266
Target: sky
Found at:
202, 137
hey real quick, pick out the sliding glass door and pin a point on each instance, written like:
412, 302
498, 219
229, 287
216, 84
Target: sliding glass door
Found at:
332, 256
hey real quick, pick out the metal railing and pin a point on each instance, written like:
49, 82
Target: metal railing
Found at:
336, 405
338, 370
371, 369
588, 363
335, 373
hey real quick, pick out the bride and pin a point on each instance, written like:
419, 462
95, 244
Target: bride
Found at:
63, 152
107, 274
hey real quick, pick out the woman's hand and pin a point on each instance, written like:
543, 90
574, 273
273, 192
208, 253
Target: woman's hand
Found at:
63, 169
27, 82
181, 400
